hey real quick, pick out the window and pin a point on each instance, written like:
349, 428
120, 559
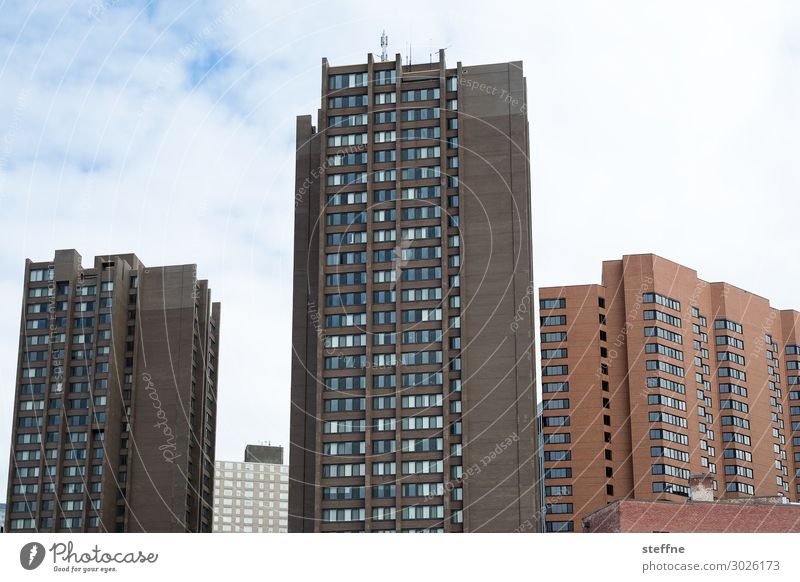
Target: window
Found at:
663, 334
558, 473
421, 95
37, 275
652, 314
420, 153
343, 470
552, 320
557, 455
419, 114
348, 139
559, 508
548, 387
555, 370
668, 418
342, 514
661, 300
348, 101
675, 437
722, 340
386, 77
559, 303
664, 351
658, 365
660, 399
729, 325
732, 373
420, 133
422, 173
347, 179
663, 487
385, 117
666, 384
350, 159
348, 120
557, 438
347, 80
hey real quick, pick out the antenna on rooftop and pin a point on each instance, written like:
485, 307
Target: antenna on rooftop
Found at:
384, 47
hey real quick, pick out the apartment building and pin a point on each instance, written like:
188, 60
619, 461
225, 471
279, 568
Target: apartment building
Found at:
656, 376
252, 496
115, 398
413, 394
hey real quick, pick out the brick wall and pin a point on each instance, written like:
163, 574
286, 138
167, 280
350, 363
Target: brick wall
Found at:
762, 516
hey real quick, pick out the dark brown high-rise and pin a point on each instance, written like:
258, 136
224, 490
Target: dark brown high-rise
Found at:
659, 385
115, 408
413, 394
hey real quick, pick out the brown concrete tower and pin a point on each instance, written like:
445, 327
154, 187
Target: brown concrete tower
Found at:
413, 395
115, 409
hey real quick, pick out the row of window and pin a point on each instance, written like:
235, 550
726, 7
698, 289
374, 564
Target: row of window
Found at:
343, 383
380, 77
384, 513
382, 424
383, 98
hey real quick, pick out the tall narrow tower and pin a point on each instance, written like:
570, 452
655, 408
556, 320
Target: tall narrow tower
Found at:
116, 396
413, 395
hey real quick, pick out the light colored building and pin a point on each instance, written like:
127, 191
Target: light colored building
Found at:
252, 496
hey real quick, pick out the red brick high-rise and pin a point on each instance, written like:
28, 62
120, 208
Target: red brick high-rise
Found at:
656, 375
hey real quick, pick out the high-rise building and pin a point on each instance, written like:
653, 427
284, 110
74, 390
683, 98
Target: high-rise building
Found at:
413, 393
115, 407
252, 496
657, 376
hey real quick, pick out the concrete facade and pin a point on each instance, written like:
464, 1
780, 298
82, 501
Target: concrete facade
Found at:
115, 409
413, 394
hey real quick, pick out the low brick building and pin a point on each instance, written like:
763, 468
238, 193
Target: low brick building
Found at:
755, 515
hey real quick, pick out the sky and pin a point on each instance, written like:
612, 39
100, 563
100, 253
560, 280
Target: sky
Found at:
167, 129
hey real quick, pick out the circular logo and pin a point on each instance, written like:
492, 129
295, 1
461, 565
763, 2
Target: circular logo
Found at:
31, 555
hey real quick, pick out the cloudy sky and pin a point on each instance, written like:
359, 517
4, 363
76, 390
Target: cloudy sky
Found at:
166, 129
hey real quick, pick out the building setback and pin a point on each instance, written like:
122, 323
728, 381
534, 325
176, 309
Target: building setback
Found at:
655, 376
413, 394
252, 496
115, 406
